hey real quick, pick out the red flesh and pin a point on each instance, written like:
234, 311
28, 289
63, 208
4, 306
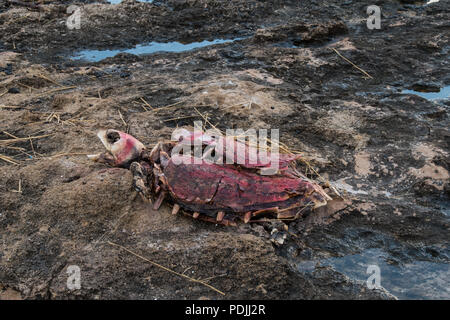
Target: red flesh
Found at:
210, 188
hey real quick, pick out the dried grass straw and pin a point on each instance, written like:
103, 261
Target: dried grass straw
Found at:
165, 268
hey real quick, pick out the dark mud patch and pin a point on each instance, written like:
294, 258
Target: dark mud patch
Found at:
145, 49
405, 281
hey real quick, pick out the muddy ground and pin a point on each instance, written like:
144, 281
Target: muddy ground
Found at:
387, 152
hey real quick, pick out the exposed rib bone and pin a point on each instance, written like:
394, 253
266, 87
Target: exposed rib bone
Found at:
175, 209
154, 154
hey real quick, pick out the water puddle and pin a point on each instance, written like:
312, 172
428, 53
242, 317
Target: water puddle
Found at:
149, 48
417, 280
444, 93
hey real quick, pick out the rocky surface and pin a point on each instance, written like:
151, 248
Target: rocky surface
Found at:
385, 151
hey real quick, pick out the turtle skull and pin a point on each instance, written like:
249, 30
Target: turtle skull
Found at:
121, 148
